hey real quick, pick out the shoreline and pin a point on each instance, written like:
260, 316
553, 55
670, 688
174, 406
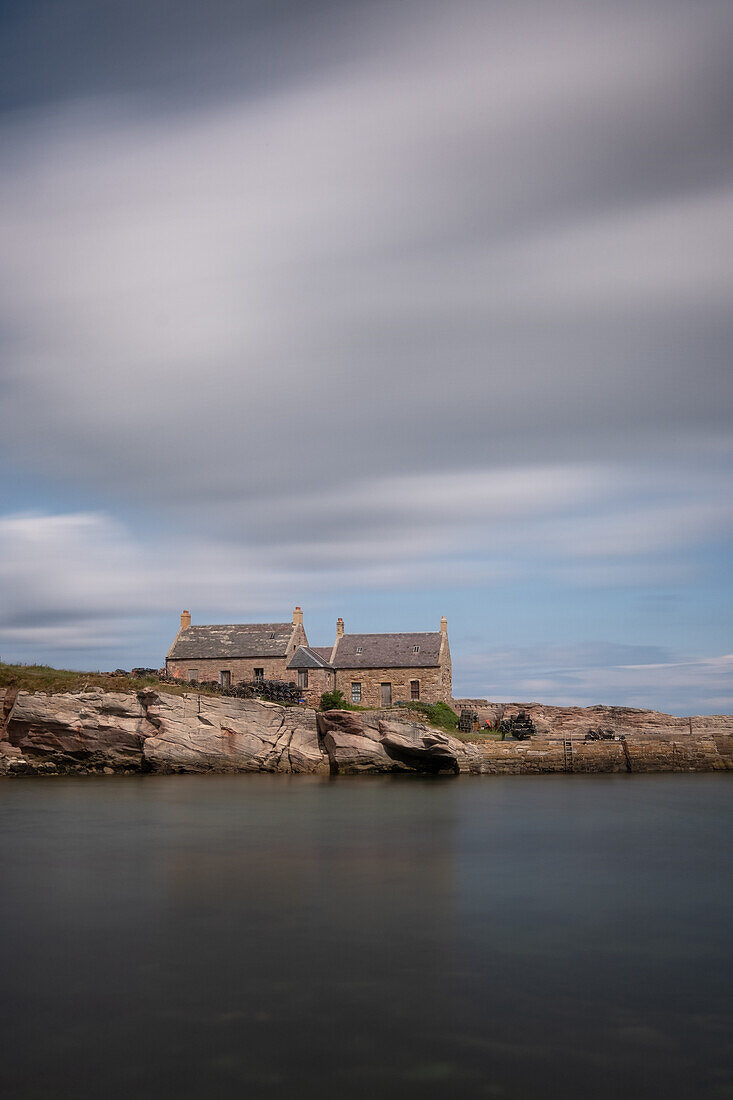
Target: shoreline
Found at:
153, 732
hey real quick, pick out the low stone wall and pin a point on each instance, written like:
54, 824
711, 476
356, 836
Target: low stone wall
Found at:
650, 755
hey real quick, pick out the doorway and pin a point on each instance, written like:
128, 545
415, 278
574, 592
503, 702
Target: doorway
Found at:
386, 695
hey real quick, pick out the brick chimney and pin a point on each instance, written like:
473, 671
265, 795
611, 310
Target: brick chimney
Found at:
339, 627
444, 625
185, 620
298, 617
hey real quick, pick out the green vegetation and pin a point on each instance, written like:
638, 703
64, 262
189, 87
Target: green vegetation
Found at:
334, 700
57, 680
436, 714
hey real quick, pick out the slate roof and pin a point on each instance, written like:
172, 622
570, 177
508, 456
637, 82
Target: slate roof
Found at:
226, 640
388, 651
310, 657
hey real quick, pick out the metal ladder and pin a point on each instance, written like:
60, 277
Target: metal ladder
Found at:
567, 746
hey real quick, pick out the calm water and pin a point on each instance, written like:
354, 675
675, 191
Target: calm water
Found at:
275, 937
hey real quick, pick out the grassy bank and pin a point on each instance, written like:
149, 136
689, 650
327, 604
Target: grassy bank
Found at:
57, 680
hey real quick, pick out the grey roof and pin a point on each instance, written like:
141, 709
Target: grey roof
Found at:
388, 651
225, 640
309, 657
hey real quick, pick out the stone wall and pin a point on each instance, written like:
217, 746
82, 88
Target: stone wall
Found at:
319, 680
242, 668
432, 684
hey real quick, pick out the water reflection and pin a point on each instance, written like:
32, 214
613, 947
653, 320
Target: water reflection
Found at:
187, 936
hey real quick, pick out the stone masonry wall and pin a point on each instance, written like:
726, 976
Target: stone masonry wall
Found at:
275, 668
432, 684
319, 680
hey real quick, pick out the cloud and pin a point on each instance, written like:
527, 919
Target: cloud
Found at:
388, 299
584, 675
377, 267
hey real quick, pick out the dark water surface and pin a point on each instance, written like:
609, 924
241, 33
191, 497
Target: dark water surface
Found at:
265, 936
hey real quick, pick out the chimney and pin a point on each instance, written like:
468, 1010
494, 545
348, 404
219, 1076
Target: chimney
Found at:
298, 617
185, 620
444, 625
339, 627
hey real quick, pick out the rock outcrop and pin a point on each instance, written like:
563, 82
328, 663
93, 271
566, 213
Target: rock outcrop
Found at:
358, 742
550, 721
112, 732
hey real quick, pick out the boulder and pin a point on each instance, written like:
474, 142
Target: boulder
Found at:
214, 733
92, 727
357, 742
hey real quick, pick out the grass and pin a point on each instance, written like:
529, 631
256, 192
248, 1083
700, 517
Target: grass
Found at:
435, 714
53, 681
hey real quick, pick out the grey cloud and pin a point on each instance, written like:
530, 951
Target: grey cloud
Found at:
438, 296
637, 676
201, 293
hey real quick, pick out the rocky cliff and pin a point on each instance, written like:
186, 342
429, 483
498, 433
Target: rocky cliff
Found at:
150, 731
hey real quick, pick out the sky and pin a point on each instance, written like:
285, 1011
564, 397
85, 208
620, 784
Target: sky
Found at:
387, 309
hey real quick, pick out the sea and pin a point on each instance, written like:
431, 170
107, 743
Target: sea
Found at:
385, 937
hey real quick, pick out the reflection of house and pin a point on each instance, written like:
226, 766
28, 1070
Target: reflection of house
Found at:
374, 670
232, 652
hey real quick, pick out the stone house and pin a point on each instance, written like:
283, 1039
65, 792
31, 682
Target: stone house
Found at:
378, 670
310, 668
229, 653
373, 670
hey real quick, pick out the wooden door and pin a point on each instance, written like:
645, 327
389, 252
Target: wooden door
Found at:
386, 695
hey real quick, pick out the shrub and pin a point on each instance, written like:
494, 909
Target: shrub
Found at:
332, 700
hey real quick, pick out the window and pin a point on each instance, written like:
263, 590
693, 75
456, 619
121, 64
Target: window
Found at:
259, 674
225, 678
416, 649
192, 674
359, 649
356, 692
302, 677
414, 689
273, 634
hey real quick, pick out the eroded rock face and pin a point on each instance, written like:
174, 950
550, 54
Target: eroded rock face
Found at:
95, 728
362, 743
208, 733
108, 732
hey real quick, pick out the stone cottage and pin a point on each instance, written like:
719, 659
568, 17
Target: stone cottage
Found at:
373, 670
378, 670
229, 653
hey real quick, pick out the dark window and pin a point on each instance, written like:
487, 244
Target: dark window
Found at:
416, 649
359, 649
259, 674
414, 689
302, 677
356, 693
193, 674
225, 678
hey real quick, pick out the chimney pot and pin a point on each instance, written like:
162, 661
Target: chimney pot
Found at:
339, 627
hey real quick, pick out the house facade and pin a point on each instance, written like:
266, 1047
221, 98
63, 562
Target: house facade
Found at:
372, 670
230, 653
379, 670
